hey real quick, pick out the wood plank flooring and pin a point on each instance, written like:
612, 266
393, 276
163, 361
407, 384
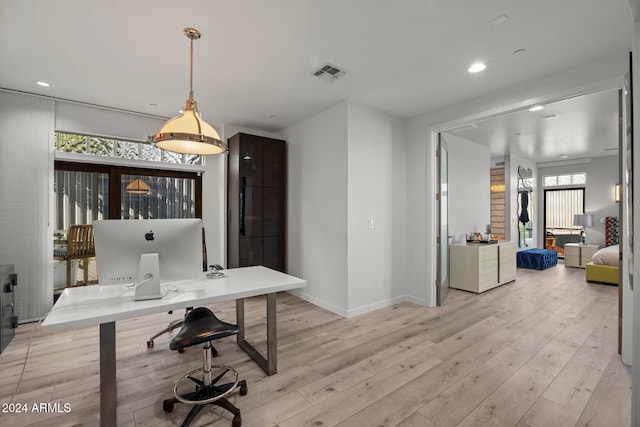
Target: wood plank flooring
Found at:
541, 351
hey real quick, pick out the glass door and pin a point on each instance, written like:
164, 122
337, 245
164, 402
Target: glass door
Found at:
442, 286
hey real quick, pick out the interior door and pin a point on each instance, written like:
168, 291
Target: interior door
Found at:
442, 279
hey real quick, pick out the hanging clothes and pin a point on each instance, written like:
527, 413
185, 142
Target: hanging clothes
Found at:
524, 206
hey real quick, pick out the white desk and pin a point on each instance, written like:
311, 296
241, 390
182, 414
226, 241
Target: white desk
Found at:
104, 305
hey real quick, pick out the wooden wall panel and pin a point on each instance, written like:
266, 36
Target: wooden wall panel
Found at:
497, 203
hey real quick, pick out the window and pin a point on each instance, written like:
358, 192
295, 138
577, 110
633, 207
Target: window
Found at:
88, 192
149, 197
561, 205
117, 148
579, 178
81, 197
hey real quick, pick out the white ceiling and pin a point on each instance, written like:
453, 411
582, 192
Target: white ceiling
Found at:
581, 127
253, 66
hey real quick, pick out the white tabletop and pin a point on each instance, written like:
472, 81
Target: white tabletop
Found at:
93, 305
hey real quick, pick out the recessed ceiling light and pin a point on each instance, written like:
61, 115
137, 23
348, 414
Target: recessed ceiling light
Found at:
499, 20
563, 156
519, 51
153, 104
43, 84
536, 108
550, 116
477, 67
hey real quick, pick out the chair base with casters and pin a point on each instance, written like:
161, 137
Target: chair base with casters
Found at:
210, 384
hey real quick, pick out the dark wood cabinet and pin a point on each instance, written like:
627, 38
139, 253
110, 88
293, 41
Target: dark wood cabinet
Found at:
256, 202
8, 317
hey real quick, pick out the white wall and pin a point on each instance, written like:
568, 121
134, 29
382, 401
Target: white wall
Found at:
317, 206
79, 118
376, 192
347, 169
469, 187
26, 212
602, 176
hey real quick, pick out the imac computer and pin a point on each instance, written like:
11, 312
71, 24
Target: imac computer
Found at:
147, 252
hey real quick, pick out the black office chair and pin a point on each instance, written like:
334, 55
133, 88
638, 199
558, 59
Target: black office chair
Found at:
202, 326
178, 323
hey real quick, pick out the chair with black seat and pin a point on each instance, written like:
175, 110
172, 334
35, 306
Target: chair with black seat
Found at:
201, 326
178, 323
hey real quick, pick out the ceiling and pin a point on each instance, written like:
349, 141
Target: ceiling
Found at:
573, 129
254, 64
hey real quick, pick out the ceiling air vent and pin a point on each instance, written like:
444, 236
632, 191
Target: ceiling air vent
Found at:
330, 72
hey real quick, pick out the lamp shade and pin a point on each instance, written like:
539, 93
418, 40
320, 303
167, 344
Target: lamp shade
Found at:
138, 186
188, 133
583, 220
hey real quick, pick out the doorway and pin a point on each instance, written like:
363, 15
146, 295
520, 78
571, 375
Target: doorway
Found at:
560, 205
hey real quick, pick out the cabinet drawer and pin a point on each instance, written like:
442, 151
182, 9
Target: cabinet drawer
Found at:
571, 251
507, 272
571, 260
487, 279
487, 253
587, 253
488, 266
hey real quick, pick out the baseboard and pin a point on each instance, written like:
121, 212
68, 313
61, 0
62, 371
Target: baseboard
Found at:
359, 310
319, 302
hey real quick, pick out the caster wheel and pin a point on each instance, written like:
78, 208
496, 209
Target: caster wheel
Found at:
167, 405
181, 350
243, 390
150, 344
237, 421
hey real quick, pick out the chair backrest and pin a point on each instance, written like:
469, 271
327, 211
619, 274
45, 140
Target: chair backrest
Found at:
80, 241
204, 252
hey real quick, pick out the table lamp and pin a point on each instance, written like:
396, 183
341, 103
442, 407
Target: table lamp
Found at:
583, 220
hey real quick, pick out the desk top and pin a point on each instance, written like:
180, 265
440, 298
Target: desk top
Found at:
93, 305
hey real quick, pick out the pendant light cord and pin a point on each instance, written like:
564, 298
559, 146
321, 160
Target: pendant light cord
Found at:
191, 69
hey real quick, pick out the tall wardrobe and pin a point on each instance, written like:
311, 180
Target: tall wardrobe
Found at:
256, 202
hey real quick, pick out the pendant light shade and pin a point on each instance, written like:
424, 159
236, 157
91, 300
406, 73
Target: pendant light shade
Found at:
188, 133
138, 186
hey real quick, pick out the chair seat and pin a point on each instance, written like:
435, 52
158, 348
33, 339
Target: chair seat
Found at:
201, 326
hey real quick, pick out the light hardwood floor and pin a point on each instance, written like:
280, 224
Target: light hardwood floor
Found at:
541, 351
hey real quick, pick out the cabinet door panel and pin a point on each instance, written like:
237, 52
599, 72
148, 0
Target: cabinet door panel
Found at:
274, 163
273, 211
251, 160
250, 251
273, 256
251, 212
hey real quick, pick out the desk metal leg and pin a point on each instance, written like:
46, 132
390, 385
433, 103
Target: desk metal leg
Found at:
108, 398
270, 364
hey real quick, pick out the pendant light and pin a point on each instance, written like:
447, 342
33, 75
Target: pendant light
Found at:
188, 133
138, 186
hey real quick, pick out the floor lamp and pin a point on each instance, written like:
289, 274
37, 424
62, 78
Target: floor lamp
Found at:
583, 220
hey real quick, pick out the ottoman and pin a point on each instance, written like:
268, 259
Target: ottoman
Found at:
537, 259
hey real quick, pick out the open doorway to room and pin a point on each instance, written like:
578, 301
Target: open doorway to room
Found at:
560, 205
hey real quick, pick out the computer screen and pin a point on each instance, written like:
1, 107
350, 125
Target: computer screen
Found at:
120, 245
